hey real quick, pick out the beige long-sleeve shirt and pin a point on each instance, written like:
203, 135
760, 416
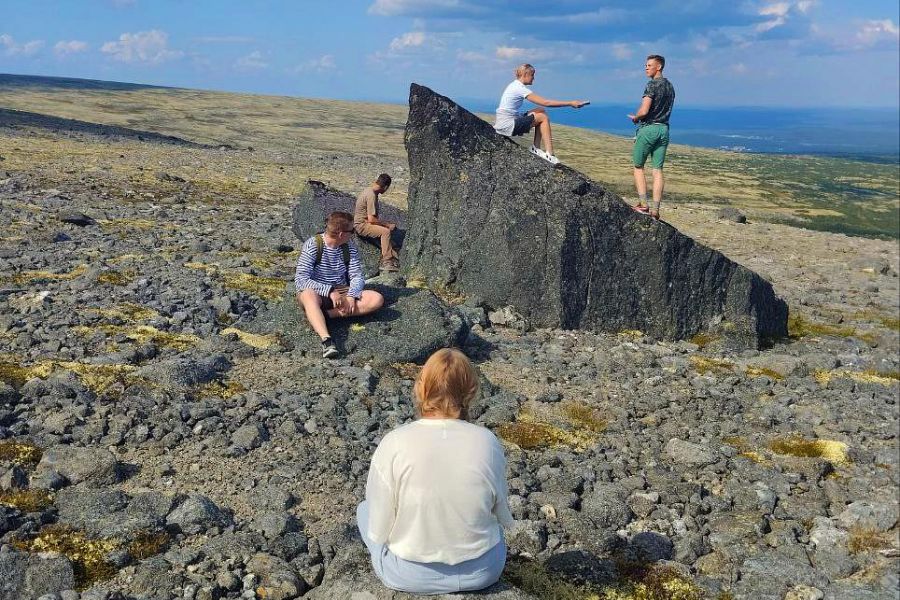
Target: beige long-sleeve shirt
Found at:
437, 491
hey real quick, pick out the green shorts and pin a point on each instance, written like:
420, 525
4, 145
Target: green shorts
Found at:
651, 140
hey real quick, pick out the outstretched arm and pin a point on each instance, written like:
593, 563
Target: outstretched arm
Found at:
540, 101
642, 111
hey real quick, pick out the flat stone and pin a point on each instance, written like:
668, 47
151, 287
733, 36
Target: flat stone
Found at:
687, 453
94, 466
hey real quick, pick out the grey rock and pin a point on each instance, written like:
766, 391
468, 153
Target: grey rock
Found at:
527, 537
683, 452
278, 580
196, 514
649, 546
830, 553
93, 466
771, 575
317, 201
76, 218
731, 214
865, 514
274, 524
185, 372
572, 262
249, 436
643, 504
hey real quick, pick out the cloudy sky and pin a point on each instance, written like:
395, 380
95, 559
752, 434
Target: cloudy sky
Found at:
720, 53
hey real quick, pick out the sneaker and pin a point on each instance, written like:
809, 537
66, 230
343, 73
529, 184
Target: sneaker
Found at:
641, 208
551, 159
328, 349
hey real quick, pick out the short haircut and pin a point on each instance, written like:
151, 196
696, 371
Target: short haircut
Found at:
383, 181
522, 69
660, 59
447, 384
338, 222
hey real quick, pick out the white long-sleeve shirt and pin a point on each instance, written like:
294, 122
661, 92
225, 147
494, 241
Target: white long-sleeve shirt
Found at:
437, 491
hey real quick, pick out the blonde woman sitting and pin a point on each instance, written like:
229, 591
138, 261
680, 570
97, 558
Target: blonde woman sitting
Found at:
436, 495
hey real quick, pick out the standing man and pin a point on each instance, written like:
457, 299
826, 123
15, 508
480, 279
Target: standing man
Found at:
652, 139
329, 279
511, 121
367, 223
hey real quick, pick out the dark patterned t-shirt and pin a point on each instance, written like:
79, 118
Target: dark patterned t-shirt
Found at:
663, 98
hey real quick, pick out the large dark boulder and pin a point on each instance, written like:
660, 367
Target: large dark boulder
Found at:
488, 218
317, 201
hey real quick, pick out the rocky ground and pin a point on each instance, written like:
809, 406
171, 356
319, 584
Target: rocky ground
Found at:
170, 431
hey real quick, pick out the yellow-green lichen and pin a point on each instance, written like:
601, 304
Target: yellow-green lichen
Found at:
529, 432
26, 500
143, 334
864, 539
23, 454
635, 582
218, 389
869, 376
764, 372
29, 276
262, 342
88, 556
113, 277
16, 374
127, 311
147, 544
267, 288
584, 417
800, 327
705, 365
833, 451
703, 339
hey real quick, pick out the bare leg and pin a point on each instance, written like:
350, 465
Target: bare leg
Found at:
369, 302
312, 305
658, 183
639, 182
542, 131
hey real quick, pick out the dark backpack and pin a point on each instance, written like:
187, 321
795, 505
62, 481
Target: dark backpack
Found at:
345, 251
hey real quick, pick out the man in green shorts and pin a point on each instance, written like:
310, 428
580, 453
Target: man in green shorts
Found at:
652, 139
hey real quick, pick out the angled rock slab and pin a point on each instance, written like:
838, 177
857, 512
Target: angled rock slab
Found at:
490, 219
317, 201
410, 326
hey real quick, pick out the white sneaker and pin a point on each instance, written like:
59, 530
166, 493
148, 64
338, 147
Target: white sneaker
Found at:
543, 154
551, 159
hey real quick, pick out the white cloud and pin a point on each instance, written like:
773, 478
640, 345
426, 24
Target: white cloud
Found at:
11, 48
63, 48
872, 32
319, 65
622, 51
408, 40
779, 9
510, 52
535, 55
471, 57
390, 8
149, 47
252, 62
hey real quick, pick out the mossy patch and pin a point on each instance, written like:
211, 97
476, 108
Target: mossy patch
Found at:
32, 276
114, 277
23, 454
703, 339
764, 372
407, 370
267, 288
800, 327
833, 451
219, 389
16, 374
357, 327
127, 311
706, 365
26, 500
636, 582
530, 431
143, 334
824, 377
147, 544
259, 341
746, 450
87, 555
632, 334
864, 539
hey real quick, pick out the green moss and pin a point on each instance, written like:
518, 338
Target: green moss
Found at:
88, 556
800, 327
832, 451
761, 371
26, 500
704, 339
533, 578
147, 544
113, 277
705, 365
584, 417
867, 540
20, 453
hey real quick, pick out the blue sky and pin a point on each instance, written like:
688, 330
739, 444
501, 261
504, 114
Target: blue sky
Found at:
719, 53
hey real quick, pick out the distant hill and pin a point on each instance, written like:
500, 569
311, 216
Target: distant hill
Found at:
70, 83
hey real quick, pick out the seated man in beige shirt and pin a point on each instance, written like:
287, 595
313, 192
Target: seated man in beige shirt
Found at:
367, 223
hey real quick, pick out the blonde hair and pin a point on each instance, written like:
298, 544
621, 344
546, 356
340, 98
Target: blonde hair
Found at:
523, 69
446, 385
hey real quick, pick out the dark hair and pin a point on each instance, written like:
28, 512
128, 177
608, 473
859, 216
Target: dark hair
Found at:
660, 59
383, 181
338, 222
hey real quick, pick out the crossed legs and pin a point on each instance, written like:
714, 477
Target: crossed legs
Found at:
311, 302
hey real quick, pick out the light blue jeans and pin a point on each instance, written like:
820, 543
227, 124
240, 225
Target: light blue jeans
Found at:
431, 578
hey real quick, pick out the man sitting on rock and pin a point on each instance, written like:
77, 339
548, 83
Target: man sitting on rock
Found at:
511, 122
330, 281
368, 225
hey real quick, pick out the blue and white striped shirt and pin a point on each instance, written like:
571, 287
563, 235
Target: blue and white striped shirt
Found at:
330, 271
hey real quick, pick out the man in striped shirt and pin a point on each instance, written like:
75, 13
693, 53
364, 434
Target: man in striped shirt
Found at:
330, 280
